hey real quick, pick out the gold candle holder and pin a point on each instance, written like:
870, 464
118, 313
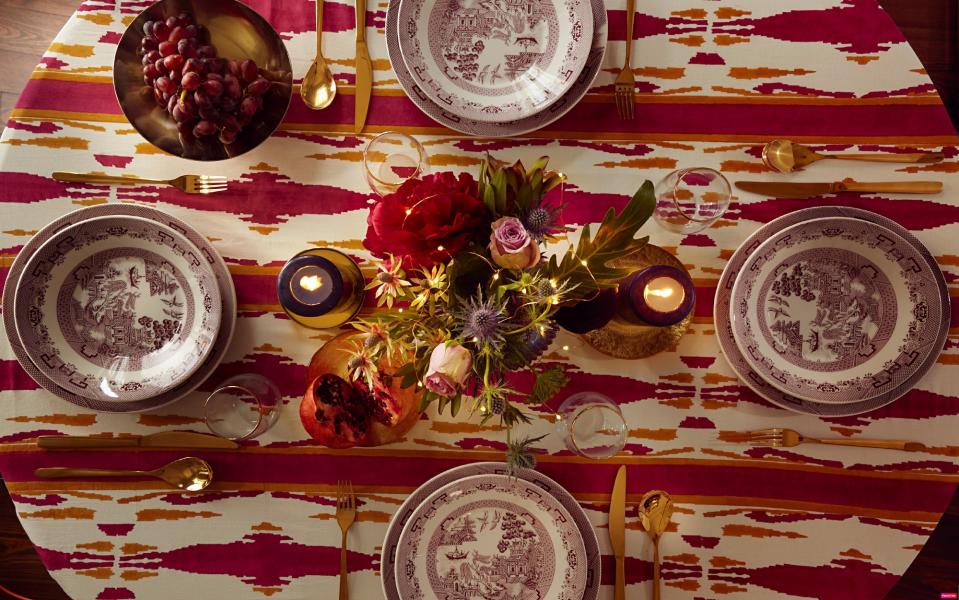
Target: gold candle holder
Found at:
321, 288
626, 336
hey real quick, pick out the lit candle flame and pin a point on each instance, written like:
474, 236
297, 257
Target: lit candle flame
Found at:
662, 293
311, 283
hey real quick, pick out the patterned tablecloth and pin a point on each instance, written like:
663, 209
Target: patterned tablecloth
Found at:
716, 78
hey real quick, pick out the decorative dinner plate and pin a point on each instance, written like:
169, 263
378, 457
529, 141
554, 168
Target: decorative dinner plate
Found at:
389, 556
754, 380
495, 60
492, 536
835, 310
117, 308
207, 253
508, 128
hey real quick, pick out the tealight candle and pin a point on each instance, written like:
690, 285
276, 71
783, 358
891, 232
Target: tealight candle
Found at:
320, 288
660, 295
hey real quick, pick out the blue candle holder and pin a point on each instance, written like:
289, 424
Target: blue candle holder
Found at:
320, 288
635, 292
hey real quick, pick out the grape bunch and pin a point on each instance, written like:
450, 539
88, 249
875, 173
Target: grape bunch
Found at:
206, 95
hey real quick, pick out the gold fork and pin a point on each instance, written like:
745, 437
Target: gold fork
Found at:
191, 184
345, 515
787, 438
626, 81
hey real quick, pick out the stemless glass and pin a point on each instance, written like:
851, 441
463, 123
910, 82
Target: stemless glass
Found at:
243, 407
690, 200
390, 159
592, 425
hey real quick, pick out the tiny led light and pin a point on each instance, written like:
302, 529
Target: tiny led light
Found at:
311, 283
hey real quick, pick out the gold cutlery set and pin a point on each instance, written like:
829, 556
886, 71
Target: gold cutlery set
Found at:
655, 512
784, 156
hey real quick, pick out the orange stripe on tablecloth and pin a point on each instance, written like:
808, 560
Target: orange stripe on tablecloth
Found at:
42, 487
473, 455
347, 129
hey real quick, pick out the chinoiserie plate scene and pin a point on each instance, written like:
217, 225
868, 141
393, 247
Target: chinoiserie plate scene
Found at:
479, 300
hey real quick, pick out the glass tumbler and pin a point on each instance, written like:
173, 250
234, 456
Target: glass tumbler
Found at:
243, 407
690, 200
592, 425
390, 159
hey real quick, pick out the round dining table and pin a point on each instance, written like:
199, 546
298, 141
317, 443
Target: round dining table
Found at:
716, 79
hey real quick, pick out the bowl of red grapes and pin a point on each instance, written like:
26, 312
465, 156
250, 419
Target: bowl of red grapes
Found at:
203, 79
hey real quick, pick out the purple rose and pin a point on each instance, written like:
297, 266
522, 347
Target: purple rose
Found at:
511, 245
448, 370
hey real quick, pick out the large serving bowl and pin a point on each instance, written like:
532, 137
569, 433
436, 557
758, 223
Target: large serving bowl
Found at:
237, 32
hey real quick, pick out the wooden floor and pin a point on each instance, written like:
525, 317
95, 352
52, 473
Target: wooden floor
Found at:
28, 26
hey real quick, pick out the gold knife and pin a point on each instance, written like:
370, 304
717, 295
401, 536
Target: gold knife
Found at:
162, 439
808, 190
617, 531
364, 70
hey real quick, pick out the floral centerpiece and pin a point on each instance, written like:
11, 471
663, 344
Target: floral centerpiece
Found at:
468, 294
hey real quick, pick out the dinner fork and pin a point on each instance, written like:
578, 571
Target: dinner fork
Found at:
626, 80
787, 438
345, 515
191, 184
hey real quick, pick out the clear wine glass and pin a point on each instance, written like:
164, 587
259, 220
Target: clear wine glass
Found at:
243, 407
690, 200
391, 159
592, 425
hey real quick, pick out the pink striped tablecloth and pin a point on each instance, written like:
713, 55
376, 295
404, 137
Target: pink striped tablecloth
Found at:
716, 79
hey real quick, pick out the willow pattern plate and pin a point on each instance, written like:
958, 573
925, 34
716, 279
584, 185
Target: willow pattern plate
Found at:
495, 60
836, 310
491, 536
117, 308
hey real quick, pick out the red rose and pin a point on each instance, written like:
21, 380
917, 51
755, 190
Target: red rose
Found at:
428, 220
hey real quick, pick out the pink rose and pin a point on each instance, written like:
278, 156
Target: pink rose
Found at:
511, 245
449, 368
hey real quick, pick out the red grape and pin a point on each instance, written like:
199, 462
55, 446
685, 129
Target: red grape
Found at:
209, 114
215, 77
152, 56
174, 77
212, 87
171, 104
148, 28
176, 34
151, 71
165, 85
204, 128
248, 70
167, 48
148, 43
174, 62
190, 32
193, 65
160, 31
232, 86
206, 52
202, 100
171, 22
190, 80
187, 48
184, 19
160, 66
258, 87
249, 106
227, 136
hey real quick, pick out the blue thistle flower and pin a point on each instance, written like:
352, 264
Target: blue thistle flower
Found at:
540, 222
483, 319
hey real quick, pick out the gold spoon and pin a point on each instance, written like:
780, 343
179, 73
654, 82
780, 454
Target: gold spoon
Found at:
189, 473
655, 510
318, 88
785, 156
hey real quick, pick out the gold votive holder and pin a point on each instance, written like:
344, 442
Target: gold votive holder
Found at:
321, 288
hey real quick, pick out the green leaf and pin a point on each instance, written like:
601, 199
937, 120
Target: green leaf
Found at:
614, 239
548, 383
455, 404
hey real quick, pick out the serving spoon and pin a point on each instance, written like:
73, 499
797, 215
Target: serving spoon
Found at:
785, 156
655, 511
188, 473
318, 88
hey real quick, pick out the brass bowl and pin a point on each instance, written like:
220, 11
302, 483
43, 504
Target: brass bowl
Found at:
237, 32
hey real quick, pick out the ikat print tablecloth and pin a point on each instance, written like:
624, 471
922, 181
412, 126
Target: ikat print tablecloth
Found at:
716, 79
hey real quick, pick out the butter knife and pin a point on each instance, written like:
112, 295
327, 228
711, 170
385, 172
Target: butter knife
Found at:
364, 70
783, 189
617, 531
162, 439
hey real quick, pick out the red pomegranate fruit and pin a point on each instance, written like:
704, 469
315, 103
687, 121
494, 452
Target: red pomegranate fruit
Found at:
335, 412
